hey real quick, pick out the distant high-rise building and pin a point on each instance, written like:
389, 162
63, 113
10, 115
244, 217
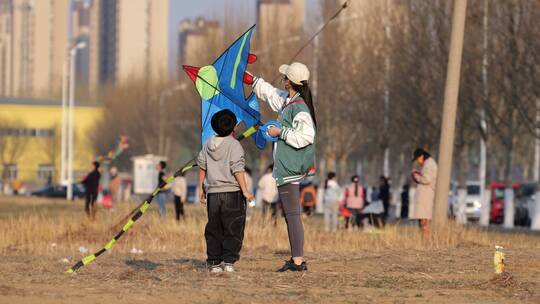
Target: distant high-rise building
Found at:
279, 18
125, 40
142, 40
195, 39
33, 32
6, 62
103, 18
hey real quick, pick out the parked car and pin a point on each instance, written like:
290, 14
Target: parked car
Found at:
473, 201
524, 204
497, 201
59, 191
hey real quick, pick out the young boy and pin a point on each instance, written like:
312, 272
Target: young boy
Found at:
221, 169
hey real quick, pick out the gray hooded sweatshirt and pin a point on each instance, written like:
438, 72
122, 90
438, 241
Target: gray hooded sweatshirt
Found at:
221, 158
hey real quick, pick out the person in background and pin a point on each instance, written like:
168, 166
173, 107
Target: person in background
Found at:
179, 188
425, 190
384, 195
91, 186
162, 195
405, 202
308, 197
249, 179
354, 201
332, 198
249, 185
269, 193
373, 211
16, 186
114, 185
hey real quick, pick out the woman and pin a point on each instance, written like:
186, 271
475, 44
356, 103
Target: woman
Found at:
294, 152
425, 191
332, 198
405, 202
179, 188
162, 195
384, 195
354, 200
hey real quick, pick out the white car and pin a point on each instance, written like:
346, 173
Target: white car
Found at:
473, 201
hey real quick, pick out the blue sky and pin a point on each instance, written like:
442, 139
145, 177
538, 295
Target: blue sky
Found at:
213, 9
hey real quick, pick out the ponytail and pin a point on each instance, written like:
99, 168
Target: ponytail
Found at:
305, 93
330, 176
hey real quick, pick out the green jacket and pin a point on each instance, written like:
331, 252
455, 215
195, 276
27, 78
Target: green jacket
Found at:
294, 152
292, 164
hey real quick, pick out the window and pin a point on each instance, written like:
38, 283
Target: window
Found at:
10, 171
473, 190
30, 132
45, 173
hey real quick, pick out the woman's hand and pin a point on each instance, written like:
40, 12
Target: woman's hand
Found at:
274, 131
415, 176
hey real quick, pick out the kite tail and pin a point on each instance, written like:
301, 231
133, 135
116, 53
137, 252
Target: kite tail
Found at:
142, 209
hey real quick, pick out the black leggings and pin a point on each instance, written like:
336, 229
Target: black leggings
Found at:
289, 195
90, 205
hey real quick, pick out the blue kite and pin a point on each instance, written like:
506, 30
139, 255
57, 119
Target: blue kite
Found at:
221, 86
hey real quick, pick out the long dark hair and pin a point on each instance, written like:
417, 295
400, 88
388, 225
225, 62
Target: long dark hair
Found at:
305, 93
355, 179
330, 176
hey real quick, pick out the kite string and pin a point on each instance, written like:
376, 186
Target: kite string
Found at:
343, 6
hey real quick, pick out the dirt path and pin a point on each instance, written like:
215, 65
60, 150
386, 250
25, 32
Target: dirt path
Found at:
462, 275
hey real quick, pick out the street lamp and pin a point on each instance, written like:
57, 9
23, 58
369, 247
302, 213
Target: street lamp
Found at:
71, 127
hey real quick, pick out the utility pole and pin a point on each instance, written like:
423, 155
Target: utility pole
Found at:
451, 93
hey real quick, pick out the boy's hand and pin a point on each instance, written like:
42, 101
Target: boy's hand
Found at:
249, 196
202, 196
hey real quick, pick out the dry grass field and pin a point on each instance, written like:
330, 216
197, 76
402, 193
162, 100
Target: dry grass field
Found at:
41, 238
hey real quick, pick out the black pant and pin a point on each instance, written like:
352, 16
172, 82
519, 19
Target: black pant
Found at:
178, 207
224, 231
355, 219
90, 205
386, 206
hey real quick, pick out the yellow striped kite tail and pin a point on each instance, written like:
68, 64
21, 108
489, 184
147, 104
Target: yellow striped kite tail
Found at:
142, 209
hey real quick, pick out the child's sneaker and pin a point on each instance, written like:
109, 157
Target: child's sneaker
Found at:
228, 267
215, 268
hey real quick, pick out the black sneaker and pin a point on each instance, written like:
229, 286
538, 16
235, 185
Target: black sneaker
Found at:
291, 266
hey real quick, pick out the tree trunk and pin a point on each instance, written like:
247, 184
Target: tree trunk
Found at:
462, 165
509, 209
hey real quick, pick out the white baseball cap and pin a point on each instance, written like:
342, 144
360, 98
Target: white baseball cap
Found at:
295, 72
